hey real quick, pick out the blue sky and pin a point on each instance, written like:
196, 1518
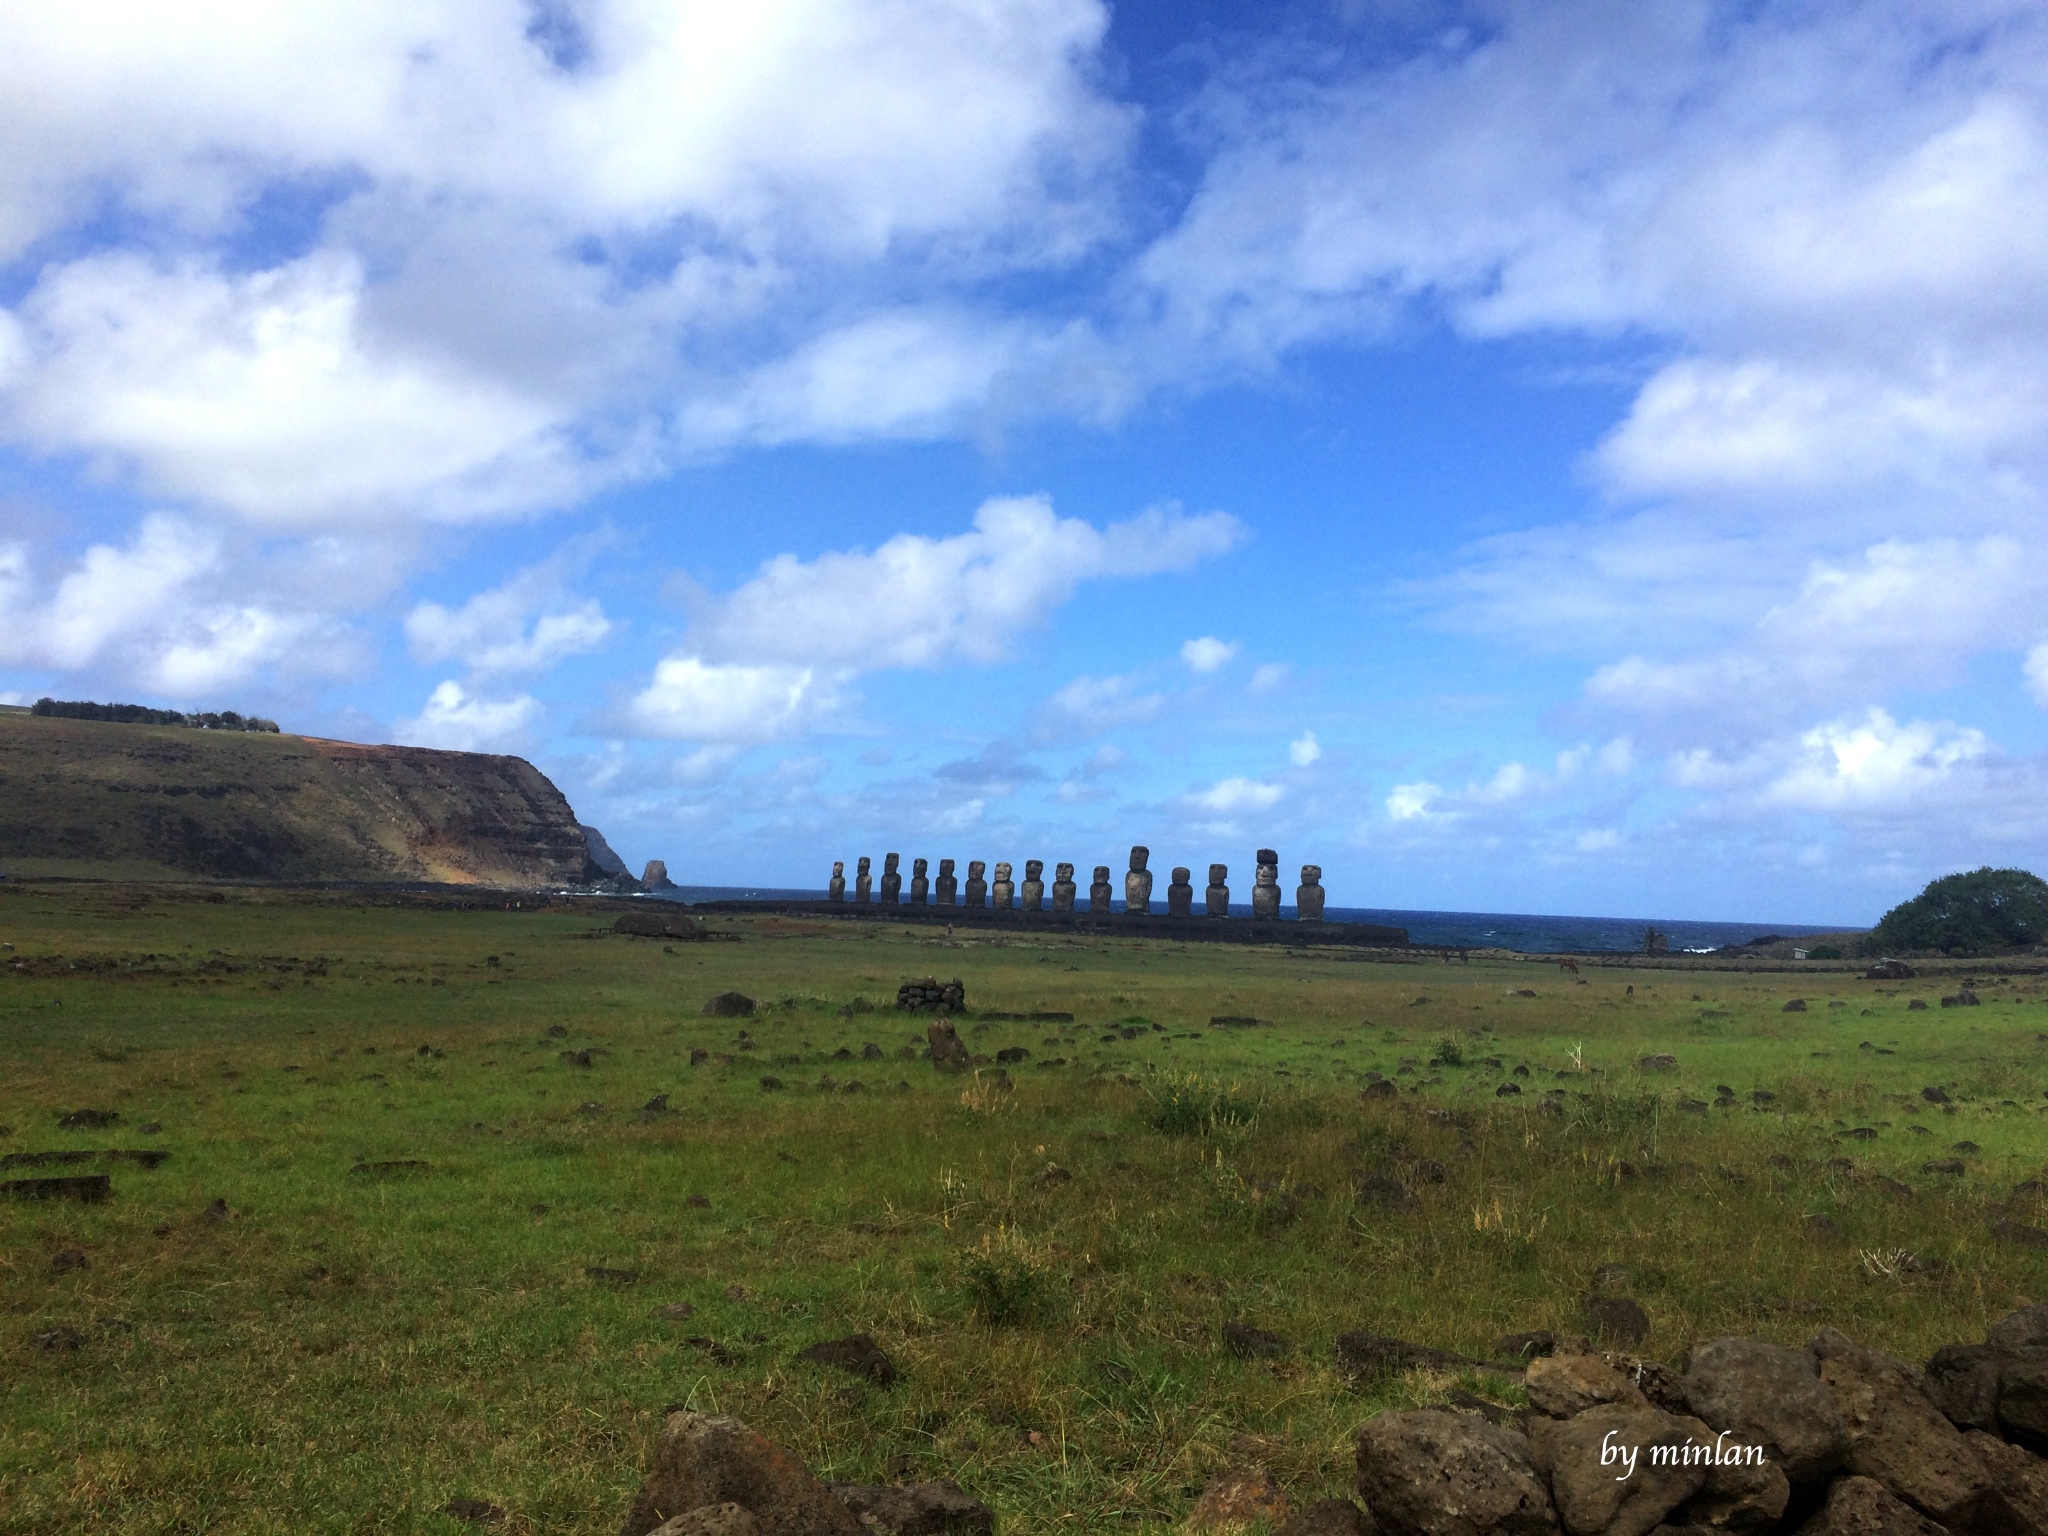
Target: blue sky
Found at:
1565, 457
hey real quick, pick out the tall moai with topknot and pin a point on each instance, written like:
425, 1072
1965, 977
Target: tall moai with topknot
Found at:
1308, 899
977, 882
920, 882
1034, 885
1099, 891
1138, 882
1003, 893
947, 892
1217, 898
1063, 889
1266, 885
1180, 896
892, 880
863, 881
836, 891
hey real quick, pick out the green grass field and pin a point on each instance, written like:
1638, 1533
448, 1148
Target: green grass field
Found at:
347, 1351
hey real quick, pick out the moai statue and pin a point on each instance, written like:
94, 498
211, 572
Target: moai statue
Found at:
1063, 888
1034, 885
836, 891
947, 893
863, 882
1099, 893
1266, 885
920, 884
977, 883
1308, 900
1180, 896
1138, 883
1217, 897
1003, 893
892, 880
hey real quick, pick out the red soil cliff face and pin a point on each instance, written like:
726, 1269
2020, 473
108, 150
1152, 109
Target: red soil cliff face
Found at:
83, 797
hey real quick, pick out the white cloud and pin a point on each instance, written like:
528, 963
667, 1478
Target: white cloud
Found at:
693, 700
924, 602
1269, 676
526, 625
1208, 654
2037, 673
1229, 797
157, 612
529, 273
264, 395
1411, 802
1093, 704
1304, 749
1874, 761
460, 721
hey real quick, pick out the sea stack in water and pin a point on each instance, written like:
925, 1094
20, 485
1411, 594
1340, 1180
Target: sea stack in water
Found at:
863, 881
1138, 883
920, 886
1217, 897
1266, 885
1099, 891
977, 883
1002, 895
1063, 888
1180, 896
1308, 900
1034, 884
947, 891
656, 876
892, 880
836, 891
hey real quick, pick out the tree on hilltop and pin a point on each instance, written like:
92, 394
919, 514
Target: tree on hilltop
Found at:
1984, 909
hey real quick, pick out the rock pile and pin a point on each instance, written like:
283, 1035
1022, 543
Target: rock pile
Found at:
1849, 1440
928, 994
713, 1476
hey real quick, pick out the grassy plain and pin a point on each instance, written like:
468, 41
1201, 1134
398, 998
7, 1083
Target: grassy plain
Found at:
349, 1351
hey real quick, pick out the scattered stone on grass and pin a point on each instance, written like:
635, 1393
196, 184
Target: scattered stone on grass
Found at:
1524, 1347
708, 1459
1328, 1517
944, 1046
921, 1509
87, 1120
927, 994
474, 1512
60, 1339
857, 1354
1663, 1061
728, 1005
606, 1276
1237, 1497
89, 1188
1249, 1343
65, 1260
216, 1213
1426, 1472
1617, 1319
674, 1312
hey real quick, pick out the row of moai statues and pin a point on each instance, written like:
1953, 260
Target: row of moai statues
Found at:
1003, 892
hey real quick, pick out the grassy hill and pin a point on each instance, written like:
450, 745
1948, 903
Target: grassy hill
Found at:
86, 798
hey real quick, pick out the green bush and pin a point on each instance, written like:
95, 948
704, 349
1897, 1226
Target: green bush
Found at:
1193, 1106
1007, 1279
1985, 909
1825, 952
1449, 1052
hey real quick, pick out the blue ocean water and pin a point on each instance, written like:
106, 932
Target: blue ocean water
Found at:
1529, 932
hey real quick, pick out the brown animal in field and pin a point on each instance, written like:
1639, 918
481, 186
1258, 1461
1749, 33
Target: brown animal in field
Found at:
1567, 963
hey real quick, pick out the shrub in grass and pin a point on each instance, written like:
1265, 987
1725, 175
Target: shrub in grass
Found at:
1449, 1052
1194, 1106
1009, 1280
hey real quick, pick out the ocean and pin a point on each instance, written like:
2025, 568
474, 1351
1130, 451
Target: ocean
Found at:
1531, 933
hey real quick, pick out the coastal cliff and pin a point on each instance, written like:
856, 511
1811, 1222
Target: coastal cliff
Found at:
87, 798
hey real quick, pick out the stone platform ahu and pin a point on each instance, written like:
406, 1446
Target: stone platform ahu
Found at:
1006, 894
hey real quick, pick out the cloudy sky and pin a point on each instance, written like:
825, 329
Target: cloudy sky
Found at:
1575, 457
